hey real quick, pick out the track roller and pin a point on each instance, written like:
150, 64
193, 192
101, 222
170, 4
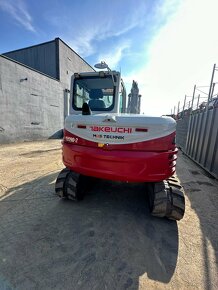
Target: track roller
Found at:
72, 185
166, 199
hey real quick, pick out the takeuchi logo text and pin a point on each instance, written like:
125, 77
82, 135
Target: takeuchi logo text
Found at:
121, 130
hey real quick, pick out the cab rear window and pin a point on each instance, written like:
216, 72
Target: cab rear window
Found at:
97, 92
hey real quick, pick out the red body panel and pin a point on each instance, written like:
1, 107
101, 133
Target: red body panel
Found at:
148, 161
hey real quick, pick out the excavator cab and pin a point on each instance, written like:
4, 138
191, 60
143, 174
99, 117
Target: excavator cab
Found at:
102, 91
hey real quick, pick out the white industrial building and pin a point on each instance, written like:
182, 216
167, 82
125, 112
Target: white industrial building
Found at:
34, 90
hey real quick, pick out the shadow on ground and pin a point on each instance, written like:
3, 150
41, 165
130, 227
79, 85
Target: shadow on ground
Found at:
106, 241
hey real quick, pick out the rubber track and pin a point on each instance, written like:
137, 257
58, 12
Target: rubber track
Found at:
72, 185
60, 182
168, 199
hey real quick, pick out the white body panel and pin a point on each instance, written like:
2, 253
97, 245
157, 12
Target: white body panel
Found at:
119, 128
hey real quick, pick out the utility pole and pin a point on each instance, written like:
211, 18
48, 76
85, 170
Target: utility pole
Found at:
198, 101
190, 123
193, 97
178, 108
184, 103
211, 86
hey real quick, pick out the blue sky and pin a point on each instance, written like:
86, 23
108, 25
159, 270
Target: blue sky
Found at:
167, 46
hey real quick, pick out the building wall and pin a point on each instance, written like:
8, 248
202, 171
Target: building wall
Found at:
42, 57
31, 104
70, 62
54, 58
34, 90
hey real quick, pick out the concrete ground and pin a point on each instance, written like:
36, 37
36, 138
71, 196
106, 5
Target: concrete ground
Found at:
109, 240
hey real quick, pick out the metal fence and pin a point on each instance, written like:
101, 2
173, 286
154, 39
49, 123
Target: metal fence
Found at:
197, 136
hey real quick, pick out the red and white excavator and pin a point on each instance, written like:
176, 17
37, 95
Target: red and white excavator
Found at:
102, 141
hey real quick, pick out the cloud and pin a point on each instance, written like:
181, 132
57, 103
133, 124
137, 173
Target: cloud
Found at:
82, 43
181, 54
18, 11
99, 23
85, 42
116, 54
